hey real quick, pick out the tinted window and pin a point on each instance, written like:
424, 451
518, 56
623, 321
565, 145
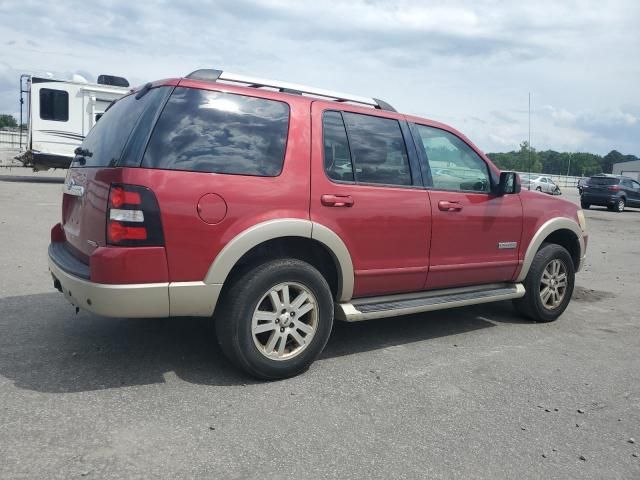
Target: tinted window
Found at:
54, 105
603, 181
627, 183
205, 131
337, 158
377, 148
106, 140
454, 165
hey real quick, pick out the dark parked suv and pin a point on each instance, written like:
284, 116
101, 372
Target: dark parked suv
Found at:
612, 191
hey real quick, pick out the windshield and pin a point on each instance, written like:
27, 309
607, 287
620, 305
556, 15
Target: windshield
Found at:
103, 145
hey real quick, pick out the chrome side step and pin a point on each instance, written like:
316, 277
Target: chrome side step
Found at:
405, 304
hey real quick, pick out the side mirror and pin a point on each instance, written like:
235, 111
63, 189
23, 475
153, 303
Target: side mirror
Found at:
509, 183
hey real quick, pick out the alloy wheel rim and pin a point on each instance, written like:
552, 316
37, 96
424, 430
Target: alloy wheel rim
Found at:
620, 205
285, 321
553, 284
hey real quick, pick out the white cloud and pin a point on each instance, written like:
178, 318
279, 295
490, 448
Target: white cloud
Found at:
452, 61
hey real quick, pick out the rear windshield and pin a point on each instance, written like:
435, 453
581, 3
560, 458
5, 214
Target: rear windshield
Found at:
105, 142
209, 131
603, 181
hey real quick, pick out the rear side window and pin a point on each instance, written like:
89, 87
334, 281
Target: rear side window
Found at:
605, 181
54, 105
337, 158
105, 142
208, 131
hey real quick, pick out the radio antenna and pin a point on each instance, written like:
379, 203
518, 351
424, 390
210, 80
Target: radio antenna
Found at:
529, 142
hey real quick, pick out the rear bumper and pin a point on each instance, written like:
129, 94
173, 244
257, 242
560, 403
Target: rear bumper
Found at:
135, 300
130, 300
599, 199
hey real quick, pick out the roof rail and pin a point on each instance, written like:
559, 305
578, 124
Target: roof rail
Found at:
212, 75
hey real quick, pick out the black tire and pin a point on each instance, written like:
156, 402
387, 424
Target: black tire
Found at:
539, 189
585, 205
234, 318
531, 305
619, 207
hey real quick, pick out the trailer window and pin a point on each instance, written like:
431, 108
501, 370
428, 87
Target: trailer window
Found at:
54, 105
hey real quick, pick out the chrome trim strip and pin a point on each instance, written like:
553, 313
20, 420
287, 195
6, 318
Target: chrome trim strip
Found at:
349, 311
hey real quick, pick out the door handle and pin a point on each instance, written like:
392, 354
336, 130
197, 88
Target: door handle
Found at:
336, 200
449, 206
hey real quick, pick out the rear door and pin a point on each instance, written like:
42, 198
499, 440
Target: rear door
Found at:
366, 187
476, 234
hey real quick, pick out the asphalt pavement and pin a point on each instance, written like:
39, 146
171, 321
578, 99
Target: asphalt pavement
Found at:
469, 393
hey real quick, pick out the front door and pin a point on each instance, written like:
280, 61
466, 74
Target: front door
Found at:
366, 187
475, 234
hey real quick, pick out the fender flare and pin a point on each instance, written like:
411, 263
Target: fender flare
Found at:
286, 227
543, 232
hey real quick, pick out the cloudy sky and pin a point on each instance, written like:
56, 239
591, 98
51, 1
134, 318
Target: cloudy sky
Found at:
468, 63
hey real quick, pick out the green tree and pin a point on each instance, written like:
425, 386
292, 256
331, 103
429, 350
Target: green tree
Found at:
524, 160
8, 121
610, 159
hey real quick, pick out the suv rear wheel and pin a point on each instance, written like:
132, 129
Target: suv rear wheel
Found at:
276, 319
549, 284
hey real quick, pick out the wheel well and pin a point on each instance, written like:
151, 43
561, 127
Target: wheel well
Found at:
301, 248
569, 240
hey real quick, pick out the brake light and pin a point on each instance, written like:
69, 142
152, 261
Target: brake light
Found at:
614, 188
133, 217
119, 197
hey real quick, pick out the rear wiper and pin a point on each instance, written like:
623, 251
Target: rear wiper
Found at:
81, 154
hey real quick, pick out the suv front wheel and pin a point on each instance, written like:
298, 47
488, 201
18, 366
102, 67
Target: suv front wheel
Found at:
549, 284
275, 319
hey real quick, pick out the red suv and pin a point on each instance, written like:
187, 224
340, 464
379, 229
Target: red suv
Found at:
275, 208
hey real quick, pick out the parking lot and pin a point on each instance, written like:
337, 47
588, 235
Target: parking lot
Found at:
468, 393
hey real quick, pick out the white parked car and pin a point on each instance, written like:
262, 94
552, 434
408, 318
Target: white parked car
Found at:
540, 183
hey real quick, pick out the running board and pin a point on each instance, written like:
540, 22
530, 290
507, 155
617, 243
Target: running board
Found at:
405, 304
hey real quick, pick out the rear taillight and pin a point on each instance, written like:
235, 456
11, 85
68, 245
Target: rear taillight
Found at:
133, 217
614, 188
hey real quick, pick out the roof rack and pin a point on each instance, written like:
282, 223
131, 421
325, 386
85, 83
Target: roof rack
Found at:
212, 75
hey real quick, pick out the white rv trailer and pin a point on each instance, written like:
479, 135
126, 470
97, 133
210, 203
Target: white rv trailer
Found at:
59, 113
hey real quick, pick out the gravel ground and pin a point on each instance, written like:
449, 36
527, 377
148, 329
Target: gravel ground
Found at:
466, 393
